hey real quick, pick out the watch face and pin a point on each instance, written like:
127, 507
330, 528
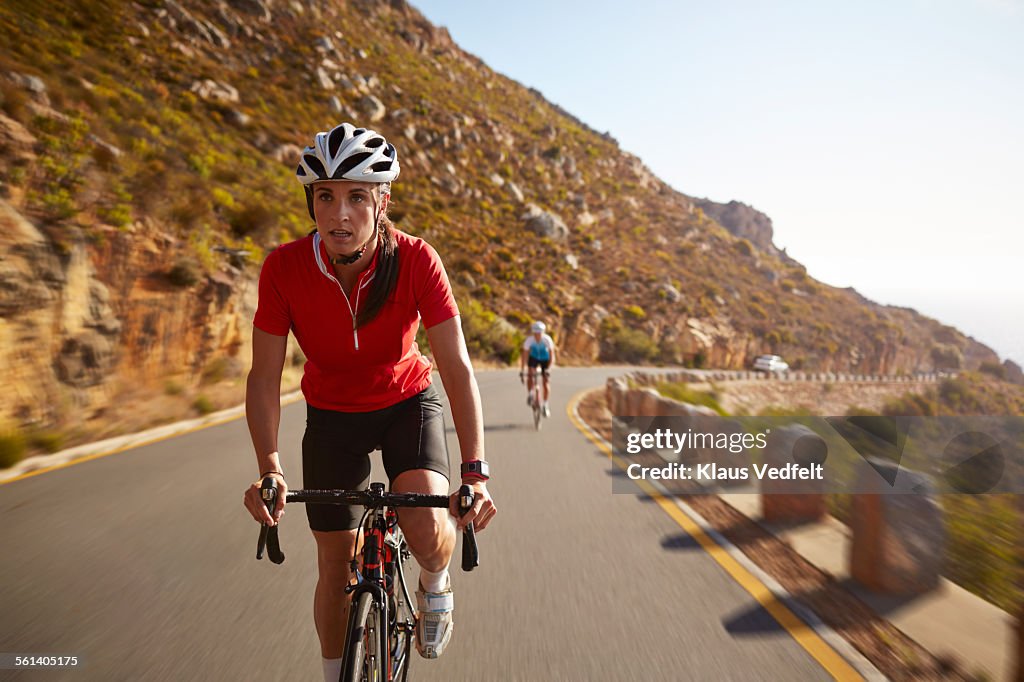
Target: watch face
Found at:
478, 468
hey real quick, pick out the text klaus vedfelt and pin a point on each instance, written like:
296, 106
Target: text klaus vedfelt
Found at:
666, 439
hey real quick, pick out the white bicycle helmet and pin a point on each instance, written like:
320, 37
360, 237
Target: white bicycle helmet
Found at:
348, 153
538, 328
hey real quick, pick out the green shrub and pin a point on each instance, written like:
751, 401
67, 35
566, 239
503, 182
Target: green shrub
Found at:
202, 405
47, 441
683, 393
627, 344
946, 356
488, 334
635, 312
744, 247
513, 275
253, 218
218, 369
16, 175
59, 203
117, 215
519, 317
466, 264
201, 165
959, 397
983, 535
784, 411
12, 448
188, 213
994, 369
222, 197
910, 405
185, 273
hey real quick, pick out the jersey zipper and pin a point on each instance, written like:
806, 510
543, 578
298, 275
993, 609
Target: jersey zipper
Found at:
360, 285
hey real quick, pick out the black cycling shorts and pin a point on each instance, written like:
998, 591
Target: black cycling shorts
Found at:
337, 445
543, 364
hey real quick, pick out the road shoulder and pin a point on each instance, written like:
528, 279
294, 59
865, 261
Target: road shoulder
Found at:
815, 592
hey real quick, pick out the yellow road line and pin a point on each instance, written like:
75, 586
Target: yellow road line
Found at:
132, 446
834, 664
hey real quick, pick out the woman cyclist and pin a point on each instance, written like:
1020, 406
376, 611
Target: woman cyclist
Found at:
353, 292
538, 351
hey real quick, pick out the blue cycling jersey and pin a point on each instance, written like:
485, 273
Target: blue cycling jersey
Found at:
539, 350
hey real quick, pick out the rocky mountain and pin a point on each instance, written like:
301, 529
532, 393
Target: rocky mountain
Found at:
147, 152
743, 221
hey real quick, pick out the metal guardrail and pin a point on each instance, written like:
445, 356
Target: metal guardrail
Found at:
702, 376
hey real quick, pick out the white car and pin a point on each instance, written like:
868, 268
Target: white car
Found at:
770, 363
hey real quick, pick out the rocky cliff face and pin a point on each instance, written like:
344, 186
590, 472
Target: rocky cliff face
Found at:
81, 325
743, 221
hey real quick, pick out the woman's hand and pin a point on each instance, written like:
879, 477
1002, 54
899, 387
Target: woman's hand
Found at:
482, 511
254, 501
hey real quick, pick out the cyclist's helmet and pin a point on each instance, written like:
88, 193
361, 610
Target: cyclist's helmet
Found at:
348, 153
538, 328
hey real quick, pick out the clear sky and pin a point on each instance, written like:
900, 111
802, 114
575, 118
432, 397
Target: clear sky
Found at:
885, 139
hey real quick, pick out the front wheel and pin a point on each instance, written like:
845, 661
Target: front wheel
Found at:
364, 661
538, 409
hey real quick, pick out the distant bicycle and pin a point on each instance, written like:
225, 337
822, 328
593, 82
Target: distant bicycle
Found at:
535, 398
382, 617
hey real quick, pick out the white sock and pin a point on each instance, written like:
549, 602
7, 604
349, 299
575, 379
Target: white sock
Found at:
434, 582
332, 669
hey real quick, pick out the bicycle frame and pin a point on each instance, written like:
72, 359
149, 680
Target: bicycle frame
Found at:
383, 564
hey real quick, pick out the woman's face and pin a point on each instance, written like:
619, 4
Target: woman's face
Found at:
344, 213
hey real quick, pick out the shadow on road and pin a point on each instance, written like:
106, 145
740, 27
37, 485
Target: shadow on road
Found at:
682, 541
753, 621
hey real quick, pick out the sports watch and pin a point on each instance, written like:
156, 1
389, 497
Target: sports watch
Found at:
476, 469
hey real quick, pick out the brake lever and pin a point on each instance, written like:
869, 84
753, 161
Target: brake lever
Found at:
470, 551
268, 534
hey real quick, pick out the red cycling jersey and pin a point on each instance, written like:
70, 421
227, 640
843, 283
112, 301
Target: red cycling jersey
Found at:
349, 369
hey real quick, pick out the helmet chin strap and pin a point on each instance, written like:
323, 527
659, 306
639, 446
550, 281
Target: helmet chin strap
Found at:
353, 257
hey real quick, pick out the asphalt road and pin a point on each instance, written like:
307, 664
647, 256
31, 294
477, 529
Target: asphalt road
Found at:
143, 565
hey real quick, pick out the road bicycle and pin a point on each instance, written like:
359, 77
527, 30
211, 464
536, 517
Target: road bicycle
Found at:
382, 617
535, 397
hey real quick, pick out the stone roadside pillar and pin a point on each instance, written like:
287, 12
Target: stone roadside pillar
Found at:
898, 540
792, 501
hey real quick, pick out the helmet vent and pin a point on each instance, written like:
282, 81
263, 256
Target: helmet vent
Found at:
315, 165
335, 140
350, 163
